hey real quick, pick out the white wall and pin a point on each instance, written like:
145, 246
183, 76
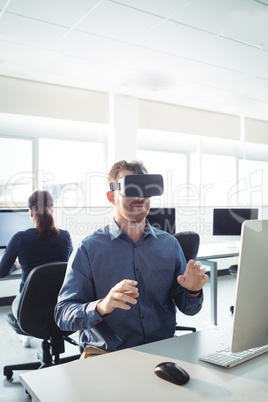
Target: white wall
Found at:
32, 98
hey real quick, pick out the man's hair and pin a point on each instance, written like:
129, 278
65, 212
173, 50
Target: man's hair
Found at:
113, 175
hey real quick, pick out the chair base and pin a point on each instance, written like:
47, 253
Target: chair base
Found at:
46, 358
233, 269
180, 328
8, 370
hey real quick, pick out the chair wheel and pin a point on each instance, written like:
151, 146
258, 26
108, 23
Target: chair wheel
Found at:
9, 374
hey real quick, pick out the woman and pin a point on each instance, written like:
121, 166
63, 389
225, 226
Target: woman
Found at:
40, 245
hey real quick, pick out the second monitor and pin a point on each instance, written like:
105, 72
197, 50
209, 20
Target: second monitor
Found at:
11, 222
228, 221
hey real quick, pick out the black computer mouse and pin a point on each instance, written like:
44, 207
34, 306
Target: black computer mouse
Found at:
172, 372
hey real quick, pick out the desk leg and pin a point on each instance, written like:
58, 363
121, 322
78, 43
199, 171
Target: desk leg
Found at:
213, 290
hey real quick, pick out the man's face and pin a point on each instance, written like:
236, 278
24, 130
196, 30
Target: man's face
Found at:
128, 208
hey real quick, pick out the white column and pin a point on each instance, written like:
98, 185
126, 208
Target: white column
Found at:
122, 136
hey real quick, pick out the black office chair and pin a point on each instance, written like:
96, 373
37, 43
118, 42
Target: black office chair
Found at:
36, 317
233, 271
189, 242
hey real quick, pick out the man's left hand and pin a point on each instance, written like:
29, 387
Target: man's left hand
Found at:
194, 277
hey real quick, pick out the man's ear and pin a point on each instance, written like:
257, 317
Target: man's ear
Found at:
110, 197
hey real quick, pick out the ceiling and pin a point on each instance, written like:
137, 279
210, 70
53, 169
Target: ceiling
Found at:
210, 54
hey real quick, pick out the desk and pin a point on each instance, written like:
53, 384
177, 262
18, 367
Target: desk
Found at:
9, 287
129, 375
15, 275
207, 253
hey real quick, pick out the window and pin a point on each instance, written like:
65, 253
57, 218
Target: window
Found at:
197, 170
16, 176
253, 179
173, 168
168, 154
67, 158
72, 171
218, 179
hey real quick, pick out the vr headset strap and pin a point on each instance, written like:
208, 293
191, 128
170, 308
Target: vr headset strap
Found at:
137, 168
114, 186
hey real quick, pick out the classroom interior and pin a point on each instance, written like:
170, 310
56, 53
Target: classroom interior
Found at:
179, 84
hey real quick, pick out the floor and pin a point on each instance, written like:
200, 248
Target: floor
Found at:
12, 351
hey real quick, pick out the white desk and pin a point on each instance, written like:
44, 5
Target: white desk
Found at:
9, 285
128, 375
207, 253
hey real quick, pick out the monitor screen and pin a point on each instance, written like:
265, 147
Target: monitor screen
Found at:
250, 325
163, 218
228, 221
11, 222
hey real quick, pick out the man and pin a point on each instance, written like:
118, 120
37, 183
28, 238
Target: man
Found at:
123, 282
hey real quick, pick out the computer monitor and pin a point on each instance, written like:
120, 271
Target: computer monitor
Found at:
250, 325
163, 218
11, 222
228, 221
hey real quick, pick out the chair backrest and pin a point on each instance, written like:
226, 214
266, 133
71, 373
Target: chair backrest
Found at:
189, 242
38, 300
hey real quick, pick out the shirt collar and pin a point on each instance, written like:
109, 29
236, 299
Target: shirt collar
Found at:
149, 229
115, 230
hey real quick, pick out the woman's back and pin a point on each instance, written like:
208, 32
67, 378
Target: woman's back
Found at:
43, 244
33, 247
32, 250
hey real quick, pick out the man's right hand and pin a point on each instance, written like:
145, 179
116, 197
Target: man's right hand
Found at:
124, 292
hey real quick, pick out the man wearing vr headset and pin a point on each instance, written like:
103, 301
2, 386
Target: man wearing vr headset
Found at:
123, 281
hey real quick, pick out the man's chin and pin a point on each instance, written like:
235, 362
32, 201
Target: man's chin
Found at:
138, 216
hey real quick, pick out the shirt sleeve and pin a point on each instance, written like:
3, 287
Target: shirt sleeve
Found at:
76, 307
9, 256
71, 243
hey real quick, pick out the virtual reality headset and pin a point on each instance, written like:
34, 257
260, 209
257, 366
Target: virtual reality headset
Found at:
139, 185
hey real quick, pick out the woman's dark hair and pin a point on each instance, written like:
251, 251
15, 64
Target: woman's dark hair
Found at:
41, 204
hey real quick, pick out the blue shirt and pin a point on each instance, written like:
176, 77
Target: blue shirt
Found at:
31, 250
104, 259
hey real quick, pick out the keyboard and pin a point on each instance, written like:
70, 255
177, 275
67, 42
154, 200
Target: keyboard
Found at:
225, 358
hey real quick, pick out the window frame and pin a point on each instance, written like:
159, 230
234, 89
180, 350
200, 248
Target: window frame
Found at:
240, 150
89, 132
